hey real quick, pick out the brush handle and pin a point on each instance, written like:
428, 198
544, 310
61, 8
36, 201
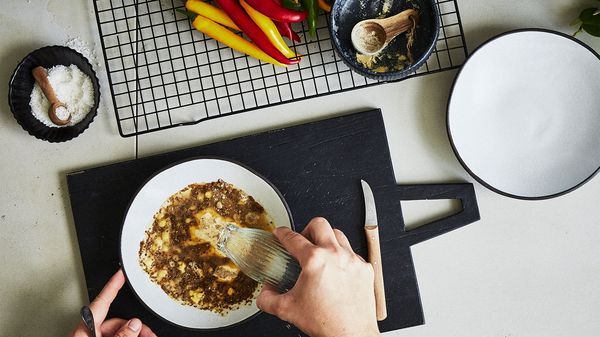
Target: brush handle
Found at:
373, 247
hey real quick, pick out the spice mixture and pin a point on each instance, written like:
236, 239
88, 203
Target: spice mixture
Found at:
388, 59
179, 251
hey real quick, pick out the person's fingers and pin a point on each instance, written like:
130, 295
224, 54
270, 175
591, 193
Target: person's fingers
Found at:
267, 296
319, 232
101, 303
342, 240
147, 332
80, 331
111, 326
272, 302
360, 258
297, 245
132, 328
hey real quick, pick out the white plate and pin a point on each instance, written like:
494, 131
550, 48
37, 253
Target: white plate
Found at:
524, 114
149, 200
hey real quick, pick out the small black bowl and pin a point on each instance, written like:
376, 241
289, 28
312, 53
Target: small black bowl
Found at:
21, 84
345, 14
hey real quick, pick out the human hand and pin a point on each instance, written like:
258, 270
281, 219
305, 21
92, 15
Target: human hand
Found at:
334, 295
114, 327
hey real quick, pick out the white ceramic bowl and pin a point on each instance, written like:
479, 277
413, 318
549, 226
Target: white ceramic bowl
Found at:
524, 114
149, 200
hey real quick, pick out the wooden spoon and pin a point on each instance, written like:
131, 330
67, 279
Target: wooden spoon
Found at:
370, 36
41, 77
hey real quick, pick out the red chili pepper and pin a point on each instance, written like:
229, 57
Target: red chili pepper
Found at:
295, 36
277, 12
243, 20
285, 30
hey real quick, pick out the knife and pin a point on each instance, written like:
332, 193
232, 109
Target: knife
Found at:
372, 233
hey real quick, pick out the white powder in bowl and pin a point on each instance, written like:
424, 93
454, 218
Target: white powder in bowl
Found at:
72, 87
62, 113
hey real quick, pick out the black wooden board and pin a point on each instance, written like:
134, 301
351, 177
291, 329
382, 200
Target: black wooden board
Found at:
317, 167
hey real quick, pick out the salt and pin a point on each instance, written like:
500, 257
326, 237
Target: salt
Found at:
72, 87
84, 49
62, 113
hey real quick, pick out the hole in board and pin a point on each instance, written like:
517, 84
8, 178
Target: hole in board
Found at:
417, 213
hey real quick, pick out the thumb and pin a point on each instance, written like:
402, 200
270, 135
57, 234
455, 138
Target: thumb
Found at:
272, 302
130, 329
267, 299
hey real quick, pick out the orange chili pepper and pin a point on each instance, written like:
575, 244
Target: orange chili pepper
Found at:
324, 5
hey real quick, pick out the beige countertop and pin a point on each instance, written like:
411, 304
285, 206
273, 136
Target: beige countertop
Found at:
525, 269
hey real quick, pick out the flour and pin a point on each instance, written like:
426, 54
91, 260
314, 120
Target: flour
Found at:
72, 87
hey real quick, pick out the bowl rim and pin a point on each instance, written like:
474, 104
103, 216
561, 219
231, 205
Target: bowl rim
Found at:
95, 82
449, 132
154, 174
393, 76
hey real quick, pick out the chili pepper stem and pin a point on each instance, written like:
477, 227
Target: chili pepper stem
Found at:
291, 4
312, 7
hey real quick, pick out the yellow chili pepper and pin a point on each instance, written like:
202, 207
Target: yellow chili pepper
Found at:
232, 40
269, 28
324, 5
208, 11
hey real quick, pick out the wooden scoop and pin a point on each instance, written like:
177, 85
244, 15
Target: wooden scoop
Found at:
41, 77
370, 36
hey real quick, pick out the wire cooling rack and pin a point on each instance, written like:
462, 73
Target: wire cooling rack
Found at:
163, 73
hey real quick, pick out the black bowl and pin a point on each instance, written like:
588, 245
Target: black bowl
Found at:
347, 13
21, 84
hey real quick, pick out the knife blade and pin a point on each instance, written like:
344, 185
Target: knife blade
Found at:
370, 210
373, 246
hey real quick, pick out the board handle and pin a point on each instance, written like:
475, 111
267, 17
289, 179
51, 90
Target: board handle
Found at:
463, 191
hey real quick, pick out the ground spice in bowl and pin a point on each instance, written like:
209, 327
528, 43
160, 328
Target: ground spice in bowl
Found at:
403, 55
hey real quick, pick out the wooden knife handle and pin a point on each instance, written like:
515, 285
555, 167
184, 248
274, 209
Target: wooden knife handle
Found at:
372, 233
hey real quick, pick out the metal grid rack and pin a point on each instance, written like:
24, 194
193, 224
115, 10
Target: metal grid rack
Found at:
163, 73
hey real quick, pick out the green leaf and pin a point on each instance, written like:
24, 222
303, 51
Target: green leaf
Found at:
590, 22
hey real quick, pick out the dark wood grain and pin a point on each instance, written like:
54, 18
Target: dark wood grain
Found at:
317, 167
